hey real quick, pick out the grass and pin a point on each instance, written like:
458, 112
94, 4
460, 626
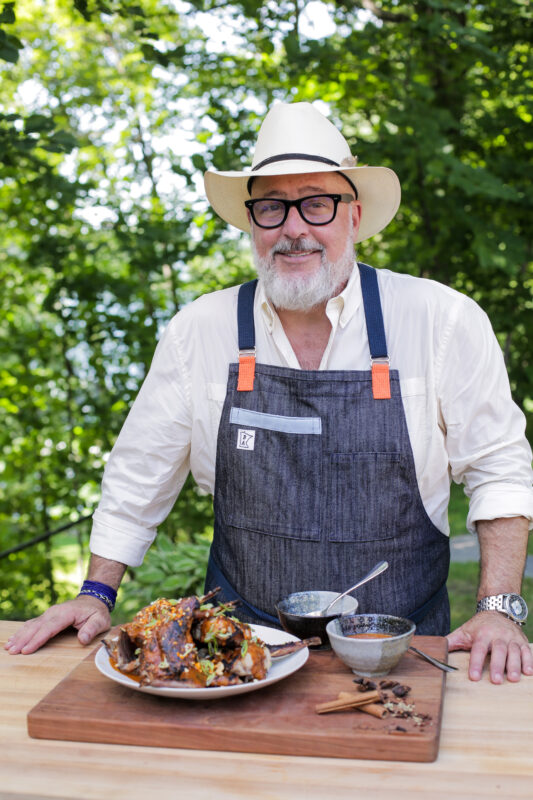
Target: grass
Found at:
457, 511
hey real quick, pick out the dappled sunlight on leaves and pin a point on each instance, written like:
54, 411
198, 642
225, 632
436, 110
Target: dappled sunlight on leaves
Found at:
111, 112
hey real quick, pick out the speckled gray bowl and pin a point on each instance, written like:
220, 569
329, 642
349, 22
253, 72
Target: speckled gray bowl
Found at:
370, 658
291, 611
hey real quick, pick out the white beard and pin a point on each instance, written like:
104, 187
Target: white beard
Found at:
303, 292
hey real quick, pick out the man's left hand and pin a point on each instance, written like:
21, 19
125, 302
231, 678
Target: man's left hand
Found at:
491, 632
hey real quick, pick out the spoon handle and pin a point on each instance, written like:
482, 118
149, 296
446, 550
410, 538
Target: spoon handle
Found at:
434, 661
377, 570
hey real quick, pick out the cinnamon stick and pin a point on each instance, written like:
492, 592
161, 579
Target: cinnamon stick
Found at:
349, 701
376, 709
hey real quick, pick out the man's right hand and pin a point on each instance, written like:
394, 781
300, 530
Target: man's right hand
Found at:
85, 613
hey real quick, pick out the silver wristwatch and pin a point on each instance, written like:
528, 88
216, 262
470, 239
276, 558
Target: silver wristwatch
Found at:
512, 605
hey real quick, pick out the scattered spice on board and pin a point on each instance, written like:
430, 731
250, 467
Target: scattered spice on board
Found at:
404, 710
365, 685
400, 691
371, 700
387, 683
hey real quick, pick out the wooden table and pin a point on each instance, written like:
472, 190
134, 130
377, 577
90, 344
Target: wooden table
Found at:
485, 750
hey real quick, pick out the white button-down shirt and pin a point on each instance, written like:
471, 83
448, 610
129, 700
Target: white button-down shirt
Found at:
461, 419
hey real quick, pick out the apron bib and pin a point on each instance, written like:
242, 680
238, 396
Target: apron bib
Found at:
315, 483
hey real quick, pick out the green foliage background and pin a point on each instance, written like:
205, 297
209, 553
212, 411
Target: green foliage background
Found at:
109, 114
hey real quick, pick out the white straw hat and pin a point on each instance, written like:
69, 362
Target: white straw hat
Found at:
297, 138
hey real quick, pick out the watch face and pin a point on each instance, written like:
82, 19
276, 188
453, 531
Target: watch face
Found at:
517, 607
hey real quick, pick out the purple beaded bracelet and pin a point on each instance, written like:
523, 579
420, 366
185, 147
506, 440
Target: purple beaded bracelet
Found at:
101, 591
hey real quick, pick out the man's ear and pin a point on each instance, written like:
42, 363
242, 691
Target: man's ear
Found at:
357, 213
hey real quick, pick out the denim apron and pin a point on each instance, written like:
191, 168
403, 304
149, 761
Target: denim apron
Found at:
315, 483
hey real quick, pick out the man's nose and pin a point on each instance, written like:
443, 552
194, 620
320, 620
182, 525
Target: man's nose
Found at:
294, 225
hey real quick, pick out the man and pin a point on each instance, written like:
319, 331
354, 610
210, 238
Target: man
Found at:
329, 446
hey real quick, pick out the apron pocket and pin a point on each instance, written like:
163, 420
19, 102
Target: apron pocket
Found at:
275, 422
273, 474
368, 494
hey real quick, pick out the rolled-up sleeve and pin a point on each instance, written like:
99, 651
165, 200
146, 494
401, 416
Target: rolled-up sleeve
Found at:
484, 428
149, 462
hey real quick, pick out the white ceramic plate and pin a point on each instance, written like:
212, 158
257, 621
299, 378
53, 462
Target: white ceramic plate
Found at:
280, 669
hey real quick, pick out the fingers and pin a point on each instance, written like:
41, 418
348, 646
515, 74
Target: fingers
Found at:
491, 634
86, 613
510, 653
519, 661
513, 658
36, 632
527, 659
481, 646
18, 640
513, 664
97, 623
498, 660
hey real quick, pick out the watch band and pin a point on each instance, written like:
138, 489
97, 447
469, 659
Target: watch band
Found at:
492, 603
503, 603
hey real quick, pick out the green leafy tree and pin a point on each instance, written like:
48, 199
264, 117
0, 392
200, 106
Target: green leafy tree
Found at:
95, 243
109, 114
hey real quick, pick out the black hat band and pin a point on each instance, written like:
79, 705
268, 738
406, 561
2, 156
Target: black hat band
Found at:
301, 157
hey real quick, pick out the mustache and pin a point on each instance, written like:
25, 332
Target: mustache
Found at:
296, 246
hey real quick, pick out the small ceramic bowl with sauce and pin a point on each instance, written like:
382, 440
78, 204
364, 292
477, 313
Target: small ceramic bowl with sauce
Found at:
370, 644
292, 612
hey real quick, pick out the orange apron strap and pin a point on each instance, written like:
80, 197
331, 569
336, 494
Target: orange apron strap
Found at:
380, 381
246, 373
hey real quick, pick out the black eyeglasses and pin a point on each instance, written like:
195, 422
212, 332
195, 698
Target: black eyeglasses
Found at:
317, 209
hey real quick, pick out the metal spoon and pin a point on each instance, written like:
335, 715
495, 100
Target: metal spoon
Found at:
434, 661
377, 570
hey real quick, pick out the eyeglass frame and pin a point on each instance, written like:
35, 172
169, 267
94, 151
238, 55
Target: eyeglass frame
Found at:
288, 204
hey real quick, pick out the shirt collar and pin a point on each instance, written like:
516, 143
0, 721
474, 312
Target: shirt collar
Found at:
339, 309
263, 303
349, 300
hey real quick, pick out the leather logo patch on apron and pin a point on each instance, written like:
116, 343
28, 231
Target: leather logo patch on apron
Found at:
245, 439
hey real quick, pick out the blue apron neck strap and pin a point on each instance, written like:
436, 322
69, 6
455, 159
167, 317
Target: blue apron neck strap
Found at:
373, 314
245, 315
374, 326
371, 301
375, 329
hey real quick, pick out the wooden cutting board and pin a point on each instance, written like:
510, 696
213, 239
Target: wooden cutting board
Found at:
280, 719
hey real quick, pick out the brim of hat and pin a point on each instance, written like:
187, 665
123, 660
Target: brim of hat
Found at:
378, 189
